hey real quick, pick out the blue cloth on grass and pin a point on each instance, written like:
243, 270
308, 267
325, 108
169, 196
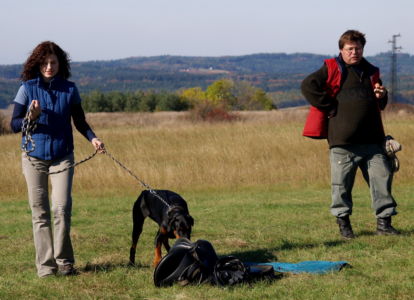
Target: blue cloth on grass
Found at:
316, 267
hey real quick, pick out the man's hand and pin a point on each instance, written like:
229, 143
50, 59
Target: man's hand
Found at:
379, 91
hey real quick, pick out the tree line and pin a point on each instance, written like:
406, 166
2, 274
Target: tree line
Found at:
224, 93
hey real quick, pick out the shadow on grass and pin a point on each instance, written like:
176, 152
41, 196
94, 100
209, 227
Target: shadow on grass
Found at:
408, 232
108, 267
365, 233
263, 255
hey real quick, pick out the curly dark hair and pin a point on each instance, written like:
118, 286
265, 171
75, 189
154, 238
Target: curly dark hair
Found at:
351, 36
31, 68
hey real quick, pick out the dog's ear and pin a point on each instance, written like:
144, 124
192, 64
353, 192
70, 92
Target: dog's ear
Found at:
171, 216
171, 223
190, 220
166, 224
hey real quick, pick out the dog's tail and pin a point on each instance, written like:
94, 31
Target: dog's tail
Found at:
138, 222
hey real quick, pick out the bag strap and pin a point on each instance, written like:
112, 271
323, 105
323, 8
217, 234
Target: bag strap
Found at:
229, 270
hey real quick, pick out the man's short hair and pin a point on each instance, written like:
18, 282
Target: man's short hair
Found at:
351, 36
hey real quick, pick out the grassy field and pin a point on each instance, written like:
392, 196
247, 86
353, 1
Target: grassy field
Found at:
256, 189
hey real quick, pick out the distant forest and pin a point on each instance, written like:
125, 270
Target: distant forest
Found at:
279, 75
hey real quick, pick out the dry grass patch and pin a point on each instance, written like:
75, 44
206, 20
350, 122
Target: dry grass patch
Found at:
167, 150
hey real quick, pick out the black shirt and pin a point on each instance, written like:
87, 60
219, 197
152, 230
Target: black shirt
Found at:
357, 117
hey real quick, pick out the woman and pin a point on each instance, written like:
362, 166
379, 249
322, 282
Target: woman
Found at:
52, 101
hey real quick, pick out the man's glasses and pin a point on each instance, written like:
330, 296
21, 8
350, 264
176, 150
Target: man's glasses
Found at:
353, 49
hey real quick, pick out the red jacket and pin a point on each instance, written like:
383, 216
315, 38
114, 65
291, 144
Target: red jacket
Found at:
316, 125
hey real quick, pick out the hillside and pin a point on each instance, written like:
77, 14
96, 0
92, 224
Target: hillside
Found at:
279, 74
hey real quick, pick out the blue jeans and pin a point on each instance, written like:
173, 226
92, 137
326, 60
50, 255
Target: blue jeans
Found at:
375, 167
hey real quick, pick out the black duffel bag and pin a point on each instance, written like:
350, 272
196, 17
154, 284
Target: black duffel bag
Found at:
196, 263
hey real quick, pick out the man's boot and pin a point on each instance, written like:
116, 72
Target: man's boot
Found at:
384, 227
345, 227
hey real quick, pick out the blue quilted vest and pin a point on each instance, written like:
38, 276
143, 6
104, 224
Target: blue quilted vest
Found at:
53, 136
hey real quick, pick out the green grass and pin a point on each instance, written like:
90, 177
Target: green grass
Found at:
254, 224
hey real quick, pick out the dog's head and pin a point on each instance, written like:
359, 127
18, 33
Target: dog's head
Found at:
179, 222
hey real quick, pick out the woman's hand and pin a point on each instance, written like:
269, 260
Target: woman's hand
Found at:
99, 145
34, 110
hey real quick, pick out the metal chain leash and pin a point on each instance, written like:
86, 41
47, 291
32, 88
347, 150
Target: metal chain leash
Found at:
150, 189
28, 126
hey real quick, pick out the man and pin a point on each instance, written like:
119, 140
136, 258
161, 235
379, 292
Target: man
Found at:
348, 91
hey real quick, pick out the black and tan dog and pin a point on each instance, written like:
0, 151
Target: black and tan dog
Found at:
170, 213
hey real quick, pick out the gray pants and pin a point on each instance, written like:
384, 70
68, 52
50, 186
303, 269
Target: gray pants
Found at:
376, 170
51, 249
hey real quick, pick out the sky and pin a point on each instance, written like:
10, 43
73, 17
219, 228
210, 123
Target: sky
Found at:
115, 29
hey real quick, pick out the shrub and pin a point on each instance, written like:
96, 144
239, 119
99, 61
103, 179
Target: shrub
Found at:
206, 110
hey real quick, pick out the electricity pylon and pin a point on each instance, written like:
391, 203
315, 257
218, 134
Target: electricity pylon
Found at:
394, 50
